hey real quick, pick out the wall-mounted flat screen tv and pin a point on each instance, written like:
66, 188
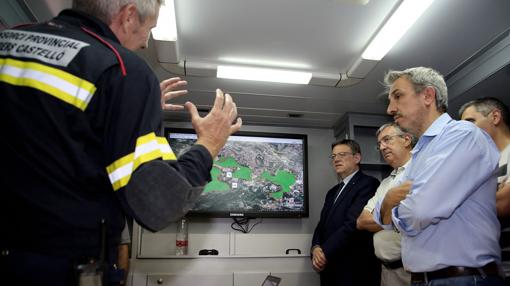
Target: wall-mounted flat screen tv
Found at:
254, 175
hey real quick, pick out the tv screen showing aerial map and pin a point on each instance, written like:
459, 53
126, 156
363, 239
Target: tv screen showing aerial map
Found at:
254, 175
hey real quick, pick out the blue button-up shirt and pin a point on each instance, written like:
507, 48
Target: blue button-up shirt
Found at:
449, 216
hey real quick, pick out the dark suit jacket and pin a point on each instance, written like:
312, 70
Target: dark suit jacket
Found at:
349, 252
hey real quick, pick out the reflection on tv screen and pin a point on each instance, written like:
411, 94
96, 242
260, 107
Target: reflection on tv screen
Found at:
254, 175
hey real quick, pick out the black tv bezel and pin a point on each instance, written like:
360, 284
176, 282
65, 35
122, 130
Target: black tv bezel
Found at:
256, 214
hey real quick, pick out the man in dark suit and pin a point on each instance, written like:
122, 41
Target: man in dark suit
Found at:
342, 254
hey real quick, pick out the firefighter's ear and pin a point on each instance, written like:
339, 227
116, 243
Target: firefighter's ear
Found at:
129, 18
124, 24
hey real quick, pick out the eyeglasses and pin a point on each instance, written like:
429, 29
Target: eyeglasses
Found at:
341, 155
386, 140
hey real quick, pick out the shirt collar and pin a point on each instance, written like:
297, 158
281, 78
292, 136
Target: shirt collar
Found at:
348, 178
78, 18
400, 169
438, 125
434, 129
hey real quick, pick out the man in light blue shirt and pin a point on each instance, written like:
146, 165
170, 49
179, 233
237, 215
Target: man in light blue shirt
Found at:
446, 208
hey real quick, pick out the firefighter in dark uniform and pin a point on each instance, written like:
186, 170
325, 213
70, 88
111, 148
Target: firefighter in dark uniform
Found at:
81, 116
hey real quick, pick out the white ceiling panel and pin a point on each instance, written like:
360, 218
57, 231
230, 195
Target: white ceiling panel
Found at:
321, 36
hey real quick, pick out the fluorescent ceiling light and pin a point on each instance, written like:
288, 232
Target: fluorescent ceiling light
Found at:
402, 19
263, 74
166, 28
264, 63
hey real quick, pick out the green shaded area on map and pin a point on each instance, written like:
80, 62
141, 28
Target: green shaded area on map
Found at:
282, 178
227, 162
215, 184
244, 173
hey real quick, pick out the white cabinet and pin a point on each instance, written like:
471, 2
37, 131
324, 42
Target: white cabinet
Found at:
189, 280
288, 278
232, 279
270, 245
229, 245
244, 260
162, 244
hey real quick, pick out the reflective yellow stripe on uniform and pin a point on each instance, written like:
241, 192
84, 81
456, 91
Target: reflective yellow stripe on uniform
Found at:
148, 148
60, 84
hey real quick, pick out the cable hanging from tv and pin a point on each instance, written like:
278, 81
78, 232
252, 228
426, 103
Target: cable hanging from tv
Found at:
243, 224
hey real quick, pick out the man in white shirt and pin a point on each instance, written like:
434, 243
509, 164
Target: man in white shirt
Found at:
491, 115
395, 146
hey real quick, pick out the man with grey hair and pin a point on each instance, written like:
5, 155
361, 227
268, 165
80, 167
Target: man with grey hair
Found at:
83, 115
492, 115
395, 146
445, 208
